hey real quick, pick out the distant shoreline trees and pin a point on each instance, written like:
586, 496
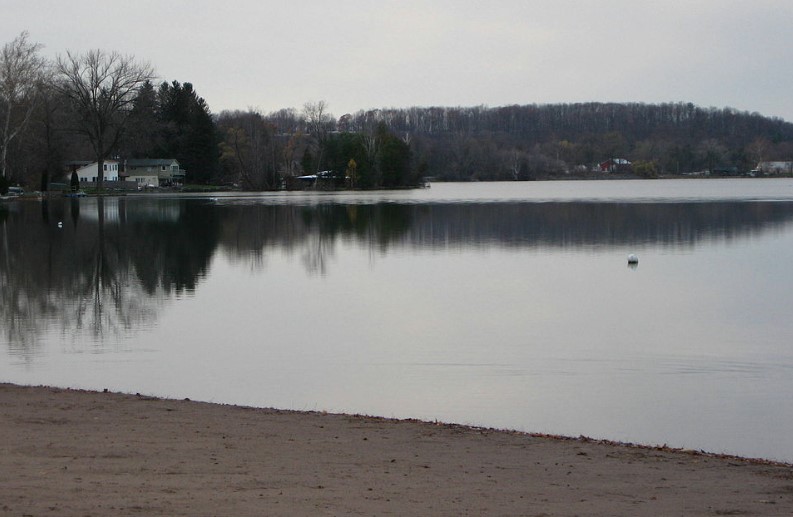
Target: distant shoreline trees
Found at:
103, 105
557, 140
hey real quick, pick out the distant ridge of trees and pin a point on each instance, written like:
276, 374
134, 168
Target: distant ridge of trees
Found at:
530, 141
576, 121
380, 148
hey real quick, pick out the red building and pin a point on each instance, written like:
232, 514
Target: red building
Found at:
615, 165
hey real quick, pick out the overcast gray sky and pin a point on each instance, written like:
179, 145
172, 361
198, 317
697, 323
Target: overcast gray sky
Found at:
360, 54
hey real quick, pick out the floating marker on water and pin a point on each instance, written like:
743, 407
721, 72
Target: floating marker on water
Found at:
60, 224
633, 259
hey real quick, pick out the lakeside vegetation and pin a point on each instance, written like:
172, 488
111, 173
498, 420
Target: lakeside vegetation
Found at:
101, 105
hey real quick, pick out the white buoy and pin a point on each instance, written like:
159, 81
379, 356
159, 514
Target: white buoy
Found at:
60, 224
633, 259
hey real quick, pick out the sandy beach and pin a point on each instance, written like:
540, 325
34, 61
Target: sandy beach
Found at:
76, 453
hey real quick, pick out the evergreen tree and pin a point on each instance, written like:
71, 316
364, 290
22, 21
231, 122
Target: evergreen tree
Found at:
143, 137
394, 161
189, 131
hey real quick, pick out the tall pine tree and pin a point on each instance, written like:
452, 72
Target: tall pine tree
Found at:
189, 131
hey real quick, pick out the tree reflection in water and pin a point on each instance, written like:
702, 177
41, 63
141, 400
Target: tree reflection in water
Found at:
106, 273
111, 264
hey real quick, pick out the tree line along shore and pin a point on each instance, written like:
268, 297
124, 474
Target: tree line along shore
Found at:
102, 105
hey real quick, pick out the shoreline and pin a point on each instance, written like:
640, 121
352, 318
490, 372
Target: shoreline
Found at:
74, 452
193, 189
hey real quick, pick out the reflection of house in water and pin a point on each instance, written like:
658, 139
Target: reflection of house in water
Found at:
118, 209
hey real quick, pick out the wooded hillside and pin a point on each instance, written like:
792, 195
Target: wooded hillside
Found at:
524, 142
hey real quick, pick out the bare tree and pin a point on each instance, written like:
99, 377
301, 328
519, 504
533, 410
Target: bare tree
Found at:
371, 141
712, 153
22, 72
758, 149
317, 118
318, 121
250, 149
515, 160
101, 88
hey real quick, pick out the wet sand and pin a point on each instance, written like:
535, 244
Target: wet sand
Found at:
76, 453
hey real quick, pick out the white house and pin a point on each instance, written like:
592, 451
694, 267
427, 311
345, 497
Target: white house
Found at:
89, 173
154, 172
775, 167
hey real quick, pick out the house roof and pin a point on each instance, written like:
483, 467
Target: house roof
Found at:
94, 163
150, 162
79, 163
774, 164
616, 161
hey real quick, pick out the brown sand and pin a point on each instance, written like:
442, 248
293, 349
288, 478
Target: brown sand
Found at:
65, 453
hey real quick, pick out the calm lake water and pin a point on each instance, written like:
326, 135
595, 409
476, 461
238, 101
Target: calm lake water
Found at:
508, 305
